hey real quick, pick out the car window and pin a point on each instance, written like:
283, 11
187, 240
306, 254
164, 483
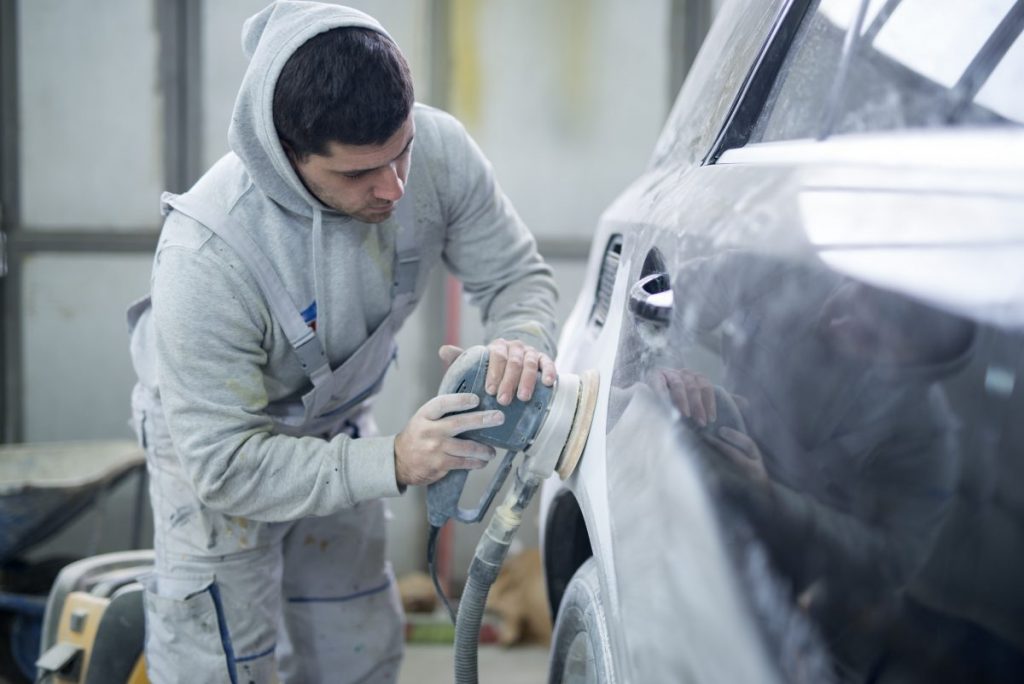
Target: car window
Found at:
896, 64
711, 85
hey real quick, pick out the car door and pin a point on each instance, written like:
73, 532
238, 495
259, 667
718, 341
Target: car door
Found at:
845, 294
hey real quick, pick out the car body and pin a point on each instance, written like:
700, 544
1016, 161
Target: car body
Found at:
828, 249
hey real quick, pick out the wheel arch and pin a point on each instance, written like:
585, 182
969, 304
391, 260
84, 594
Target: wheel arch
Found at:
566, 545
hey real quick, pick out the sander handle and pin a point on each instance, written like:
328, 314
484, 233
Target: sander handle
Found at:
443, 496
468, 374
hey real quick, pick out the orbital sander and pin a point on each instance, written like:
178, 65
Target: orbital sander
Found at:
550, 430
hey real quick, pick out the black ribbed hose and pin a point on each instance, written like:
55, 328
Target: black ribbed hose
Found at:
490, 554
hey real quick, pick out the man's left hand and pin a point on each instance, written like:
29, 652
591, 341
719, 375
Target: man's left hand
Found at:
512, 368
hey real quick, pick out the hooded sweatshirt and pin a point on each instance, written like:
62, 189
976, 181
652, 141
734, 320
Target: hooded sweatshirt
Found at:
221, 357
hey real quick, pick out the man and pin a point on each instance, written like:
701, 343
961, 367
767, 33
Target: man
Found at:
279, 283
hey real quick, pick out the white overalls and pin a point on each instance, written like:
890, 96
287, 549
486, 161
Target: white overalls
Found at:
237, 600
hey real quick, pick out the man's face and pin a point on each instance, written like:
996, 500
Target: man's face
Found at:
363, 181
852, 322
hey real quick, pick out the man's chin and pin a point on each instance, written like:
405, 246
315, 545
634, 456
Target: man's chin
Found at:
375, 215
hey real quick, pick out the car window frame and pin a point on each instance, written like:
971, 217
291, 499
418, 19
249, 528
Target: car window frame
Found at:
752, 97
985, 61
759, 81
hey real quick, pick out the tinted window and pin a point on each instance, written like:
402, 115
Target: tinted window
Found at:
913, 64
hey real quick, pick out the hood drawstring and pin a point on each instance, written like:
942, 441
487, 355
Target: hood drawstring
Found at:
318, 276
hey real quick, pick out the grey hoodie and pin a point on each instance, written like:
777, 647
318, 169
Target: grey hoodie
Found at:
220, 355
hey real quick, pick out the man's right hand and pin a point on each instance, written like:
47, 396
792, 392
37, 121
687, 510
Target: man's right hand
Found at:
427, 448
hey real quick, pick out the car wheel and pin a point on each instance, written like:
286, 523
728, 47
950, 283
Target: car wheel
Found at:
580, 649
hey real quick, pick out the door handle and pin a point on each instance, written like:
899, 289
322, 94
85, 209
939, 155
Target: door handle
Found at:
651, 298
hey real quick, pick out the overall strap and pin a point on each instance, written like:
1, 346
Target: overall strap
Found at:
407, 258
308, 347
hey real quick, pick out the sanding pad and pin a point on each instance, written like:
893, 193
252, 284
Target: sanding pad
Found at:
586, 404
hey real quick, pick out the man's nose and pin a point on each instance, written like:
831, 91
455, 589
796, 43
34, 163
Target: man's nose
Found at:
390, 185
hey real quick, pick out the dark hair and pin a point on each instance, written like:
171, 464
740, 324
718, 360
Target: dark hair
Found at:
346, 85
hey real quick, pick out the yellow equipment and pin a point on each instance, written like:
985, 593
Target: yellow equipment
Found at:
94, 628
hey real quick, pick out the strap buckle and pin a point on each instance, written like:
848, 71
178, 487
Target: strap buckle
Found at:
407, 268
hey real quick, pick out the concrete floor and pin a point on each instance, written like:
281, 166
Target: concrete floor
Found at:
432, 664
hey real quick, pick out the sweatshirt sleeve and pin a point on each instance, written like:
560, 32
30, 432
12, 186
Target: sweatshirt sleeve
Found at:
490, 249
210, 329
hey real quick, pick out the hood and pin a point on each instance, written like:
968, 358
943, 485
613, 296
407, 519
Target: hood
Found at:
269, 38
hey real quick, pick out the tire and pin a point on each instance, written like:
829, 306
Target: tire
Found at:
580, 646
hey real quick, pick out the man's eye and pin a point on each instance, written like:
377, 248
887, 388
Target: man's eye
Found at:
357, 174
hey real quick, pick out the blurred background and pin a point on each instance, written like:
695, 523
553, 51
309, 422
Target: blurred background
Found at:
105, 104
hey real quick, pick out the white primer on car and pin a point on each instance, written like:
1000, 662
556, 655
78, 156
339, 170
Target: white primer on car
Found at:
662, 503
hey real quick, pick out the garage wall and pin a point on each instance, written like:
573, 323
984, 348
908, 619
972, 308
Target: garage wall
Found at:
91, 115
90, 167
566, 99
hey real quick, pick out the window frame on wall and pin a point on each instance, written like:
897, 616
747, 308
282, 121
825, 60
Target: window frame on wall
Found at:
177, 78
9, 210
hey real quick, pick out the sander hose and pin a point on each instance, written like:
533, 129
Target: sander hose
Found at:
487, 560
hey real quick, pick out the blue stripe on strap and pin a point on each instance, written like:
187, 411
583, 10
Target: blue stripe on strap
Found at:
340, 599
